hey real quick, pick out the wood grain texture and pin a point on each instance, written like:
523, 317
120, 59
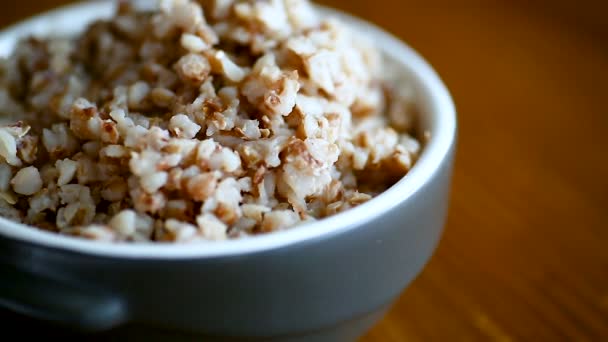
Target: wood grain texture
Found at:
524, 256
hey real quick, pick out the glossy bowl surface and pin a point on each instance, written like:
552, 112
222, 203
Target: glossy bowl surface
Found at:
328, 280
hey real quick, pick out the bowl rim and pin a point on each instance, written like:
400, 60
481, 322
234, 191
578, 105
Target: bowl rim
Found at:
442, 112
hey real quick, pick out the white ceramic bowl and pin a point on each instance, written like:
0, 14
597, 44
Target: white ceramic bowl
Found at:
328, 279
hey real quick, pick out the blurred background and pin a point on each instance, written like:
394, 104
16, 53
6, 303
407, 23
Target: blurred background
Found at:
524, 255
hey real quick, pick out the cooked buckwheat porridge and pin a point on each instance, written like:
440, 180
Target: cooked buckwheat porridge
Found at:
199, 121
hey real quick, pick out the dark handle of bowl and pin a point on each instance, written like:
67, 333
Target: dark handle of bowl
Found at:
53, 301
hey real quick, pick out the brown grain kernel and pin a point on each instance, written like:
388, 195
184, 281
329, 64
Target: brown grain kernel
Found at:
200, 187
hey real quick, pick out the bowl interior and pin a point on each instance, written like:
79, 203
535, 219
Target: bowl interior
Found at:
435, 106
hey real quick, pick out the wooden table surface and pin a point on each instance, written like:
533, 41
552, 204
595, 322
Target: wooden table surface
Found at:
525, 254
